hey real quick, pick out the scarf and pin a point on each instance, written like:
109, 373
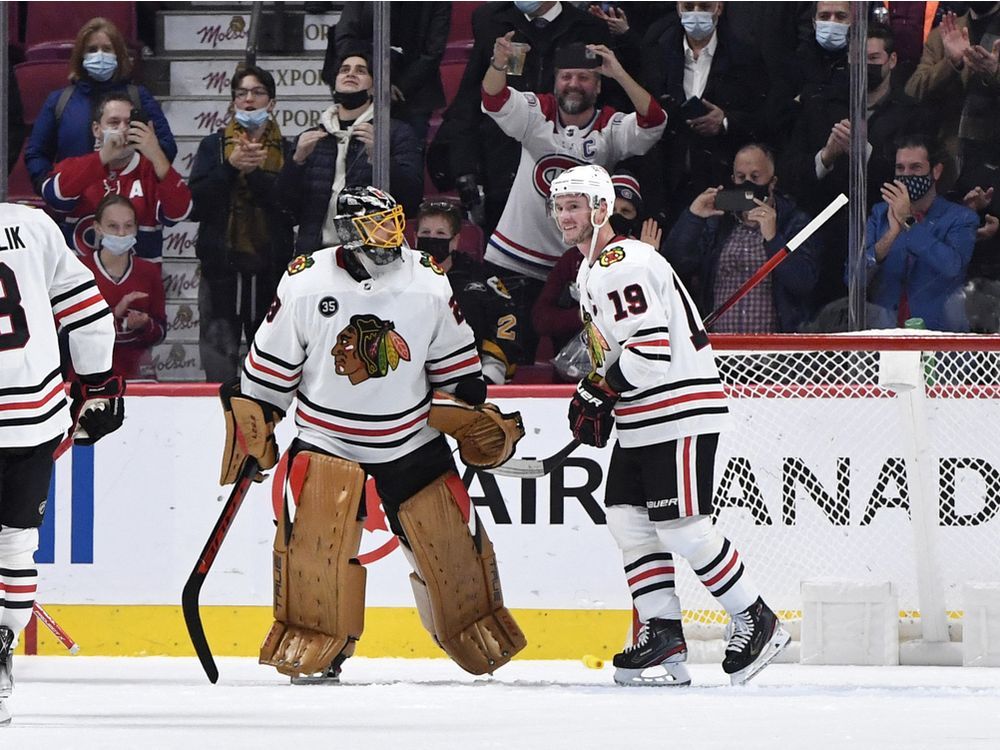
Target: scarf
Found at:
247, 233
331, 123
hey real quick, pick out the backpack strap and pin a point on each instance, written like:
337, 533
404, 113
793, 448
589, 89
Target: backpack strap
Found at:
63, 100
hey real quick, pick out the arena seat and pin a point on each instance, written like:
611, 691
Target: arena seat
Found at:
19, 189
461, 20
36, 79
51, 28
451, 77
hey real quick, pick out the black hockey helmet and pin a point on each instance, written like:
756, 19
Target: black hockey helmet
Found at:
370, 220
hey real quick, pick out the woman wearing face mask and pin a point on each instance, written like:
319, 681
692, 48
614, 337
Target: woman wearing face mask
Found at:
99, 63
132, 287
244, 239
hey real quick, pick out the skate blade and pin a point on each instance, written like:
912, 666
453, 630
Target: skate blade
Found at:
315, 680
779, 641
662, 675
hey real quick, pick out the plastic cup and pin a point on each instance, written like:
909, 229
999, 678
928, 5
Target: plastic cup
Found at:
515, 64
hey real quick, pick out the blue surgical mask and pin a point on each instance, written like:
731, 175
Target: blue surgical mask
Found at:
100, 65
831, 35
527, 8
253, 119
699, 24
118, 245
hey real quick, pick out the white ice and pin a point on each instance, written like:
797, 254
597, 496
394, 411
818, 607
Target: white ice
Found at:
82, 703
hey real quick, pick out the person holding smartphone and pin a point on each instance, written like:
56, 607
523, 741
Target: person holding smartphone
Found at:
727, 234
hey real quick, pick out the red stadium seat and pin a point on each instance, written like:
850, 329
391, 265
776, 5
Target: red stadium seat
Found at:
451, 77
461, 20
51, 28
459, 51
36, 80
19, 188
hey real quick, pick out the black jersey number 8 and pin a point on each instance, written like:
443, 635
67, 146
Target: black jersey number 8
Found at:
13, 320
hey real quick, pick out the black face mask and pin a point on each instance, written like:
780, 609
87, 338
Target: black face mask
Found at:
624, 227
351, 99
760, 192
875, 76
436, 247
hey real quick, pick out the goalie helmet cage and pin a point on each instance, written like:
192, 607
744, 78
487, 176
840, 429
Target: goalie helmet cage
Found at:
856, 457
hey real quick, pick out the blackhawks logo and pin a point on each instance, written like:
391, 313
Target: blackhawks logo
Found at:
597, 345
612, 255
301, 263
368, 347
429, 262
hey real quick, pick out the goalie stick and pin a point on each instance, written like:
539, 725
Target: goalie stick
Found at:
192, 589
532, 468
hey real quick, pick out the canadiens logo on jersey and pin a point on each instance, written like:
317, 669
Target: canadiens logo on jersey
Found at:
597, 345
368, 347
548, 168
611, 256
299, 264
429, 262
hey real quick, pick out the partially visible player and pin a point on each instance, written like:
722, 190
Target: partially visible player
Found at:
655, 378
44, 291
360, 335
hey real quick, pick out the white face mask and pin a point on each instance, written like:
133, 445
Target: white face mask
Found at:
116, 135
118, 244
832, 35
698, 24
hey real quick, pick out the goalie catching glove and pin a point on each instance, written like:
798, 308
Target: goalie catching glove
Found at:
97, 406
486, 437
249, 432
590, 417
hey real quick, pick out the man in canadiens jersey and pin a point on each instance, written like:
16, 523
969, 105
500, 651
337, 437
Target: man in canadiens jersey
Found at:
655, 378
362, 337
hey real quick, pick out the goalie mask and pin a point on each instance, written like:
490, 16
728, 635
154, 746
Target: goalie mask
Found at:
369, 220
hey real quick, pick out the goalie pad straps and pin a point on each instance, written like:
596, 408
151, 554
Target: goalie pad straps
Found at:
486, 437
319, 586
249, 432
456, 583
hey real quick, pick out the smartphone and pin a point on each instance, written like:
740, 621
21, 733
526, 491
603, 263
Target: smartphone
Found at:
693, 108
734, 199
138, 115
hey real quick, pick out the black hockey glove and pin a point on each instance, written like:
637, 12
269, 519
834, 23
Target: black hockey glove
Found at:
97, 406
590, 418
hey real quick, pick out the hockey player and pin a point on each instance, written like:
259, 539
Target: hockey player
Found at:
46, 292
360, 334
655, 378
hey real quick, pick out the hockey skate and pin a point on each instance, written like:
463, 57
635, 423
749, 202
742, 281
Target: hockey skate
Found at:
660, 644
330, 677
6, 671
757, 637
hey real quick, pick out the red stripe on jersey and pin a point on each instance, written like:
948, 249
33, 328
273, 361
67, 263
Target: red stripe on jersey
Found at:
655, 342
458, 366
688, 505
273, 373
79, 306
649, 574
722, 573
33, 404
11, 589
357, 431
625, 411
522, 248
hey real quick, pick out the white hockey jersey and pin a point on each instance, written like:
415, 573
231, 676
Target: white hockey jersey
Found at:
44, 286
361, 356
526, 238
638, 313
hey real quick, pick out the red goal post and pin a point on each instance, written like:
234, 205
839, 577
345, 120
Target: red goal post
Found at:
869, 458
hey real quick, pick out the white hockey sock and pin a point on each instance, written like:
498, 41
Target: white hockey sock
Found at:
649, 567
713, 558
18, 577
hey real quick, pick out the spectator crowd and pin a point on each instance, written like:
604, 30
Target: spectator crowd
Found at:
727, 127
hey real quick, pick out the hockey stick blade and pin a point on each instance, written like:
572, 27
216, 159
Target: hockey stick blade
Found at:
192, 589
532, 468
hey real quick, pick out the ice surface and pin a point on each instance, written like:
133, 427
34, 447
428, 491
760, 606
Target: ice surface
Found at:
89, 702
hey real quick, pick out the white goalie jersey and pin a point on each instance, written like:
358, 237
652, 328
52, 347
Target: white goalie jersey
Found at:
638, 313
44, 290
361, 356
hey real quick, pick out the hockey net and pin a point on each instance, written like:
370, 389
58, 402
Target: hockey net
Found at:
830, 473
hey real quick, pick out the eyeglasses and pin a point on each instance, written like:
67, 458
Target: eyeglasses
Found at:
255, 93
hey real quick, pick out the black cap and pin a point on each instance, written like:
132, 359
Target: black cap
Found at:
576, 55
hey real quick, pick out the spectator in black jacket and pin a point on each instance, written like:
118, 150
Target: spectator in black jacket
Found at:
722, 250
244, 239
478, 152
338, 152
695, 55
418, 33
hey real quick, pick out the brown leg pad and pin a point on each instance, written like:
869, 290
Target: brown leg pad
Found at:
457, 587
319, 588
